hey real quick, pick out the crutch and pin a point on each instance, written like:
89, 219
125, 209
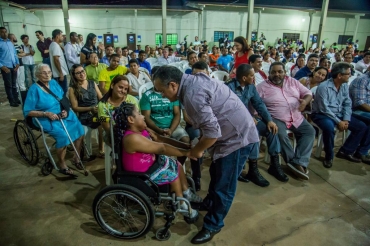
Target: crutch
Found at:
69, 137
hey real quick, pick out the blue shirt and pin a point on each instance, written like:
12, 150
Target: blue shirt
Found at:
8, 55
105, 60
146, 65
360, 90
250, 94
334, 103
224, 61
303, 72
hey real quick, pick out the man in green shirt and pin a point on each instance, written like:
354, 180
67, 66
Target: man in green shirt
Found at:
163, 117
93, 70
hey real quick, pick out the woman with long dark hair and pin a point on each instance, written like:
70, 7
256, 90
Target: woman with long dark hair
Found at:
243, 52
90, 47
84, 96
116, 95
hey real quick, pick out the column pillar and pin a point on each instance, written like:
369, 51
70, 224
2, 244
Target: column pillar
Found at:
357, 18
135, 22
1, 17
324, 12
258, 24
164, 19
200, 25
66, 18
250, 20
309, 30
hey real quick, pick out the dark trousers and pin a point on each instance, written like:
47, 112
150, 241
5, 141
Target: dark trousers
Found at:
222, 187
357, 141
10, 84
63, 84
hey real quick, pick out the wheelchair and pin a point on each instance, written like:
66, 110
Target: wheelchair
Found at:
128, 208
26, 143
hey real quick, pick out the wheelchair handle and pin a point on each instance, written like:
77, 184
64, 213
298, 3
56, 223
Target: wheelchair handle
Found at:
101, 119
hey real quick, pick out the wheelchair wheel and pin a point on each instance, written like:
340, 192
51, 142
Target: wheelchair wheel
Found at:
161, 235
47, 167
123, 211
26, 142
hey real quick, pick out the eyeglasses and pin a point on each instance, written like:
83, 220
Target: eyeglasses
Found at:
79, 73
46, 73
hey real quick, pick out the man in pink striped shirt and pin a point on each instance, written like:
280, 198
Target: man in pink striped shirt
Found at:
285, 99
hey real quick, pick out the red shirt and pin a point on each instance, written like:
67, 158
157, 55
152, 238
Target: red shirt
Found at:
241, 59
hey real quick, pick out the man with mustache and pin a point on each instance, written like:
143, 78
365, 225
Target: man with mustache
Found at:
285, 99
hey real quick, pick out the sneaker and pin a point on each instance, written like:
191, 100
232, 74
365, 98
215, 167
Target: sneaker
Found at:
193, 213
191, 197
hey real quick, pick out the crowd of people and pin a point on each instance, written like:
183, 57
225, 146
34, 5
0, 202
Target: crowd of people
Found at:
277, 93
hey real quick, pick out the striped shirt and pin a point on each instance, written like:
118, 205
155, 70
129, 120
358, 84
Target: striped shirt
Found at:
359, 90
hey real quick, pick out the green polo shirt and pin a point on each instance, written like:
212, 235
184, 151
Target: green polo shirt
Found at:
92, 72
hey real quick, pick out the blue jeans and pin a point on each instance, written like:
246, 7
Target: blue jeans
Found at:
224, 173
362, 115
358, 140
195, 164
47, 61
10, 84
32, 73
305, 136
273, 143
63, 83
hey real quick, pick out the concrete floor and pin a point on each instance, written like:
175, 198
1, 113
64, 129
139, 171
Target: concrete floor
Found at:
332, 208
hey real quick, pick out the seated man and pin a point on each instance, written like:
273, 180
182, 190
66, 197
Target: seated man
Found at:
136, 77
256, 63
224, 61
202, 56
285, 99
109, 50
93, 70
192, 58
244, 88
359, 91
143, 63
332, 107
200, 67
167, 59
363, 64
312, 62
107, 74
163, 117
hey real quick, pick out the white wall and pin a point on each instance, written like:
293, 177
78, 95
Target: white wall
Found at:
121, 22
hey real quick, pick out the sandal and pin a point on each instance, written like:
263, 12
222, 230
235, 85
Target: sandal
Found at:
77, 164
68, 171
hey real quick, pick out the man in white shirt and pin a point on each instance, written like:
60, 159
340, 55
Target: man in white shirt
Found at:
364, 63
136, 77
314, 45
167, 59
256, 63
27, 59
196, 42
58, 62
72, 51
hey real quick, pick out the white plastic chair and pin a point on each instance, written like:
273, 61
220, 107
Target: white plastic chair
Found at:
144, 88
143, 69
88, 133
108, 165
267, 156
151, 61
266, 67
220, 75
320, 142
184, 62
288, 66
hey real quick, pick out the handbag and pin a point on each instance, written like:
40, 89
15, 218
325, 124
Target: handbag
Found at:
64, 102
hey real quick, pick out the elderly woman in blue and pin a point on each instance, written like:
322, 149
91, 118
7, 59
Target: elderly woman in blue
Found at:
39, 103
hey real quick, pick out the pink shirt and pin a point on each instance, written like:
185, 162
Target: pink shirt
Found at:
137, 162
283, 103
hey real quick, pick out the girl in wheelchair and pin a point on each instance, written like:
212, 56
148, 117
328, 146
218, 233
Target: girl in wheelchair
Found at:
140, 153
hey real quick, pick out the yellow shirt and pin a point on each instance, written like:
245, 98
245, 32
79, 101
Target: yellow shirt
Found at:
92, 72
107, 76
105, 108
